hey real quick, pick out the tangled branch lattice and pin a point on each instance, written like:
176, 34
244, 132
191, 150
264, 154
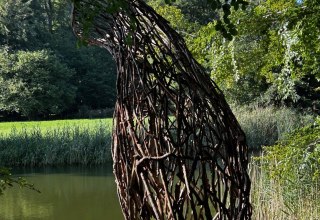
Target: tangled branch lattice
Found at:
178, 150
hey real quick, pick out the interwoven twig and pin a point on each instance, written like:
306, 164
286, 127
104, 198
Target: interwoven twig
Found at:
178, 150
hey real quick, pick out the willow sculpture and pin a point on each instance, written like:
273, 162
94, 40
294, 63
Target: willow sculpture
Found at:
178, 151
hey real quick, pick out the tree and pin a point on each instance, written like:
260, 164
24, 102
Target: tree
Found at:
22, 24
194, 11
34, 26
286, 62
35, 84
17, 32
273, 59
95, 72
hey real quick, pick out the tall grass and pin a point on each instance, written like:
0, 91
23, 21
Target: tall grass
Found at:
265, 126
286, 177
270, 201
88, 141
7, 127
59, 144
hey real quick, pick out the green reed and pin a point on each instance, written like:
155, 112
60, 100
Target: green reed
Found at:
265, 126
69, 143
269, 198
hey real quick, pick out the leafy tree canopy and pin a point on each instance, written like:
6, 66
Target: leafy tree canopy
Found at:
38, 50
35, 83
273, 59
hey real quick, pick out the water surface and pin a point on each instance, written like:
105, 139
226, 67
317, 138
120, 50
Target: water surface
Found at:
72, 193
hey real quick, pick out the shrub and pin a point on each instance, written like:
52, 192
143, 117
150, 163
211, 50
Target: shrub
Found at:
86, 112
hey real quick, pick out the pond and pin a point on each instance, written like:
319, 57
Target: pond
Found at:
68, 193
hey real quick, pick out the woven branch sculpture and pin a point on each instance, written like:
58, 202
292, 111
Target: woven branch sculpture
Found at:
178, 151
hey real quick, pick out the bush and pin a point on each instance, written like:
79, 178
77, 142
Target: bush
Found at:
265, 126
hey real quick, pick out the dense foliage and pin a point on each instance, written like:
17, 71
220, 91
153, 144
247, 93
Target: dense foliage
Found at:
42, 72
273, 59
35, 83
296, 159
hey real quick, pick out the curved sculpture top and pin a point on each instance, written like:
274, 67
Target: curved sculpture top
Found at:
178, 151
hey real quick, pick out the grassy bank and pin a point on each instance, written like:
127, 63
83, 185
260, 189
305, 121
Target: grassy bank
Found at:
55, 142
286, 178
271, 200
88, 141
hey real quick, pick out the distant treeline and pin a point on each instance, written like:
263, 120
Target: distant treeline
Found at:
43, 74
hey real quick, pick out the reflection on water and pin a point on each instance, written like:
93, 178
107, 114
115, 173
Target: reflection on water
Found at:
66, 194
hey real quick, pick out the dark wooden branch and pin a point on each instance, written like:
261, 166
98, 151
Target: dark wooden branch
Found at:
178, 151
